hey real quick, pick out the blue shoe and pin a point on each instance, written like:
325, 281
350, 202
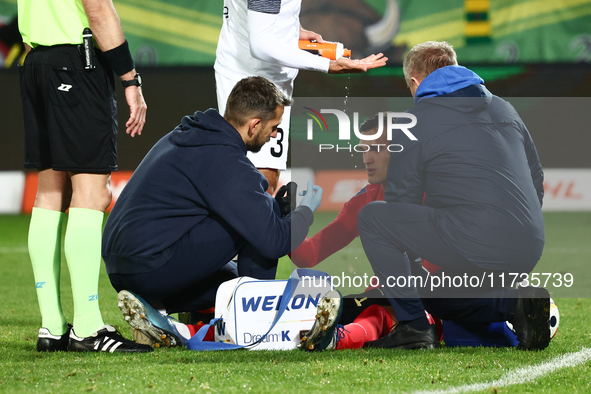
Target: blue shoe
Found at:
143, 318
324, 334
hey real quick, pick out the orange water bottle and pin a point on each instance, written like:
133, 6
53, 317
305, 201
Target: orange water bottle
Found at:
330, 50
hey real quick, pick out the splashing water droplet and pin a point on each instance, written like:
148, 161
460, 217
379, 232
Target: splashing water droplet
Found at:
346, 95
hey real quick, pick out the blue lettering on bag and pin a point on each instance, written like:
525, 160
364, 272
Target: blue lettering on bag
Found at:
251, 304
268, 303
221, 327
284, 336
279, 304
272, 302
250, 338
313, 301
296, 299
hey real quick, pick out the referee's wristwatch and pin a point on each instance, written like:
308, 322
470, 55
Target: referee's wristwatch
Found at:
136, 81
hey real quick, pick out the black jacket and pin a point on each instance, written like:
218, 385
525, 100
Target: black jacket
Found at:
476, 164
196, 171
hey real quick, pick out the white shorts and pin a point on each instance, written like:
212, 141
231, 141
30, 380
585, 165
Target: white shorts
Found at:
274, 153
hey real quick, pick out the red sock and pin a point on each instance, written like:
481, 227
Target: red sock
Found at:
193, 328
371, 324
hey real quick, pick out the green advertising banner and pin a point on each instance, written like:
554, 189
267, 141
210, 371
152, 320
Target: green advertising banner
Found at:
526, 31
162, 32
185, 32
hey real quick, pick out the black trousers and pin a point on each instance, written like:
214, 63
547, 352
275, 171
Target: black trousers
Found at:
199, 264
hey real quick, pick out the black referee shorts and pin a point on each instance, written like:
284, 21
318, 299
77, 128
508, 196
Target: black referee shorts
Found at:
70, 113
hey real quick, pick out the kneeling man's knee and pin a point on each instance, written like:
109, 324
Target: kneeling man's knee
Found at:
368, 216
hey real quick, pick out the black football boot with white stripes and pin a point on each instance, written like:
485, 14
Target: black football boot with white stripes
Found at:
107, 339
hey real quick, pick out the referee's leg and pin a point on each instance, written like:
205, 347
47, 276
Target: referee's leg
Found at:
44, 243
54, 190
82, 246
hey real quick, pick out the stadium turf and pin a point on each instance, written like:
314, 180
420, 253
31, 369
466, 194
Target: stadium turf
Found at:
563, 367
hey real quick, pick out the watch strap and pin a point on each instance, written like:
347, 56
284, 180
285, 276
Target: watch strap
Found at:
136, 81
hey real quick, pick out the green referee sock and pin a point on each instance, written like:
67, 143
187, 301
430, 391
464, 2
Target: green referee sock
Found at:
45, 238
83, 253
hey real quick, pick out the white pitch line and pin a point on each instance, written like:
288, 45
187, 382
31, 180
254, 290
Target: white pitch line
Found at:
15, 250
522, 375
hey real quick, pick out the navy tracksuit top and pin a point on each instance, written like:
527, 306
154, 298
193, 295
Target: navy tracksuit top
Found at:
198, 170
476, 164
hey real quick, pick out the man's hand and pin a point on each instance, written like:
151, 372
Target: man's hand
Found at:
312, 196
137, 110
345, 66
310, 36
286, 197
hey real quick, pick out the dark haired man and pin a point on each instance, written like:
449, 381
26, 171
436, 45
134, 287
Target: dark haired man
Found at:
477, 169
196, 201
341, 231
364, 309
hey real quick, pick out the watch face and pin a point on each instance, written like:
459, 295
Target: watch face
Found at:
139, 78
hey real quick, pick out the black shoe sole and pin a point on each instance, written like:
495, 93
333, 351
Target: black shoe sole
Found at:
320, 335
414, 339
419, 345
541, 326
52, 345
90, 349
147, 321
408, 346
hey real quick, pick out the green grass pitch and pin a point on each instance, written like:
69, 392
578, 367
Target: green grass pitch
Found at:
449, 370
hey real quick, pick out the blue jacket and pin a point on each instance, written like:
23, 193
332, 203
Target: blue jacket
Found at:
476, 164
196, 171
